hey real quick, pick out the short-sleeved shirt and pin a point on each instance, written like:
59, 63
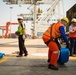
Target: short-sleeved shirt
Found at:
72, 35
23, 25
71, 27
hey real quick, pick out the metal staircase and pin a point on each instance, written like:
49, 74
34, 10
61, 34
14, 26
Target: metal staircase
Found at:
49, 12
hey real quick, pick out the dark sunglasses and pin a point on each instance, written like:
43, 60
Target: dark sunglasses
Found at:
19, 19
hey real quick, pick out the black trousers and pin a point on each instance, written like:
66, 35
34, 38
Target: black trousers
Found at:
22, 47
72, 46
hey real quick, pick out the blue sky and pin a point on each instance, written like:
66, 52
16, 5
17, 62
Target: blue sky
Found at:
5, 11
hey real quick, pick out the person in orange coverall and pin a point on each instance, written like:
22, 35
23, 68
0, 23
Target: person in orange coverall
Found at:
50, 38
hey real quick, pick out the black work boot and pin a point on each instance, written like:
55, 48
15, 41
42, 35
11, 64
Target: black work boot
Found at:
52, 67
26, 53
48, 60
19, 56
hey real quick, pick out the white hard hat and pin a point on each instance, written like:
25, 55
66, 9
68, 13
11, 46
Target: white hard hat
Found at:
20, 17
73, 20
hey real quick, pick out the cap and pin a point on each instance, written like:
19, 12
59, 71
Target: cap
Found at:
20, 17
73, 20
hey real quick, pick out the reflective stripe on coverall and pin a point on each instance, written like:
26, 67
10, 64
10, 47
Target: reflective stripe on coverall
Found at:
53, 52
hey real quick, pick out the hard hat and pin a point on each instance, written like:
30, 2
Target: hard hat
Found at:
73, 20
65, 19
20, 17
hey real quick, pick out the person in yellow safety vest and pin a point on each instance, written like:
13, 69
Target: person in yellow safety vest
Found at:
50, 38
21, 32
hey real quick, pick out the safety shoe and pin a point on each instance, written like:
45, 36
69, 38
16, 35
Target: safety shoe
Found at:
26, 54
48, 60
19, 56
74, 55
52, 67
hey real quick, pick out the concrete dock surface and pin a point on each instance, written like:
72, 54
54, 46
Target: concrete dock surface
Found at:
36, 61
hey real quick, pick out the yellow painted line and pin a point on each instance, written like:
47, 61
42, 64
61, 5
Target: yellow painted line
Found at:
4, 59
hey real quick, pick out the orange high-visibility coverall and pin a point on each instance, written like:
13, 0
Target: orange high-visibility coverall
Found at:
50, 33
